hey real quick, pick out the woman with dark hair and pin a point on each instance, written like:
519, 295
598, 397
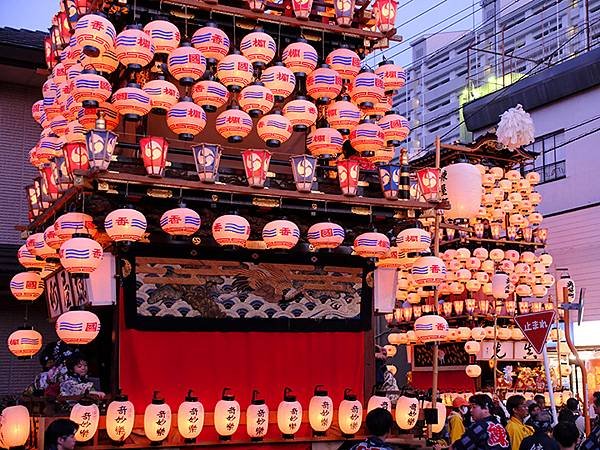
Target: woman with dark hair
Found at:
60, 435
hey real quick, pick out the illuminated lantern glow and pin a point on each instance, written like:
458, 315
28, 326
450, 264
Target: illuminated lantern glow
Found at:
303, 170
385, 14
88, 116
207, 158
256, 5
28, 259
565, 282
344, 12
134, 48
49, 174
80, 256
500, 286
407, 412
24, 343
186, 119
163, 95
302, 8
51, 238
431, 328
226, 415
395, 128
165, 36
320, 412
371, 245
280, 234
274, 129
212, 42
366, 137
280, 80
324, 84
157, 419
37, 246
90, 89
75, 133
379, 401
343, 116
256, 99
190, 418
231, 230
77, 327
95, 34
120, 416
472, 347
393, 76
428, 271
462, 187
389, 179
210, 95
154, 155
473, 370
131, 102
257, 422
27, 286
58, 125
87, 415
348, 173
15, 426
289, 415
259, 48
36, 110
233, 124
345, 62
301, 113
100, 145
125, 224
325, 235
180, 222
187, 64
325, 142
300, 57
366, 90
256, 166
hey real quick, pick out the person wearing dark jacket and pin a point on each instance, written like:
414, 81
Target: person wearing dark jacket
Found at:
540, 439
570, 412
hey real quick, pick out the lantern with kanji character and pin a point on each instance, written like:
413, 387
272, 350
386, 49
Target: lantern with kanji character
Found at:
95, 34
344, 12
58, 125
256, 165
428, 271
325, 235
190, 418
389, 179
462, 187
395, 128
75, 133
74, 222
302, 8
413, 240
226, 415
231, 229
77, 327
207, 158
280, 234
157, 419
256, 99
393, 76
565, 282
257, 418
90, 89
300, 57
407, 412
325, 142
371, 245
24, 343
345, 62
324, 84
134, 48
186, 119
120, 416
274, 129
348, 172
165, 36
379, 400
301, 113
131, 102
80, 256
27, 259
367, 90
431, 328
280, 80
235, 72
211, 95
303, 170
51, 238
180, 222
320, 411
350, 414
163, 94
87, 415
27, 286
14, 426
101, 145
37, 246
289, 414
473, 370
367, 137
125, 224
343, 116
186, 64
233, 124
212, 42
154, 155
36, 110
385, 14
258, 47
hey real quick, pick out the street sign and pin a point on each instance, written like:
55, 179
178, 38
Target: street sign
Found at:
536, 327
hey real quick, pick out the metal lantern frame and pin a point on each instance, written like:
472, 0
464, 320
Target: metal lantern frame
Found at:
207, 158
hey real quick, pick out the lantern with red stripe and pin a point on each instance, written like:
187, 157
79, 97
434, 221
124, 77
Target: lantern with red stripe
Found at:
37, 246
300, 57
325, 235
165, 36
27, 286
212, 42
393, 76
36, 110
50, 91
90, 89
154, 155
301, 112
100, 145
72, 54
302, 8
431, 328
428, 271
233, 124
395, 128
324, 84
51, 238
105, 63
75, 133
76, 158
131, 102
256, 165
24, 343
235, 71
28, 259
207, 158
367, 137
49, 174
303, 170
280, 234
343, 116
209, 94
186, 119
186, 64
180, 222
231, 229
60, 32
75, 69
348, 172
256, 99
77, 327
344, 12
48, 148
367, 90
371, 245
345, 62
58, 125
70, 109
163, 94
95, 34
324, 141
125, 224
258, 47
80, 256
280, 80
74, 223
385, 14
51, 53
59, 73
88, 116
134, 48
274, 129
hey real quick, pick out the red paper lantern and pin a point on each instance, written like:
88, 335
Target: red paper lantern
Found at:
280, 234
90, 89
163, 94
186, 119
300, 57
210, 95
259, 48
80, 256
345, 62
348, 172
302, 8
95, 34
234, 125
429, 183
235, 71
367, 90
131, 102
180, 222
256, 165
134, 48
186, 64
301, 113
343, 116
274, 129
231, 230
367, 137
393, 76
395, 128
379, 109
27, 286
256, 99
280, 80
165, 36
49, 174
324, 141
324, 84
106, 63
212, 42
154, 155
385, 14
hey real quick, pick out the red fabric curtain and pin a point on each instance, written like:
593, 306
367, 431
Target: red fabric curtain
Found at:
448, 380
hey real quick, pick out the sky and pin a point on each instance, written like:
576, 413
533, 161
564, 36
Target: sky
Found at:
415, 17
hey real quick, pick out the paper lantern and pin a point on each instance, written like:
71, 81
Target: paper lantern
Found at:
280, 80
303, 171
472, 347
88, 117
325, 235
461, 186
24, 343
95, 34
323, 84
280, 234
385, 14
180, 222
500, 286
163, 94
87, 415
226, 415
210, 95
131, 102
154, 155
75, 133
393, 76
212, 42
51, 238
431, 328
207, 158
157, 420
165, 36
36, 110
350, 414
289, 415
233, 124
256, 166
37, 245
301, 113
473, 370
235, 71
407, 412
186, 119
77, 327
190, 418
90, 89
120, 416
366, 137
186, 64
274, 129
345, 62
258, 47
302, 8
371, 245
343, 116
348, 172
256, 5
27, 286
320, 412
428, 271
80, 255
379, 401
15, 426
413, 240
256, 99
565, 282
125, 225
389, 179
231, 230
300, 57
134, 48
325, 141
257, 418
28, 259
71, 223
395, 128
366, 90
58, 125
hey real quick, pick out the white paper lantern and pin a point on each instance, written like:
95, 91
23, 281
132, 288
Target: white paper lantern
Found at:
462, 187
74, 222
431, 328
190, 418
371, 245
87, 416
379, 401
157, 420
472, 347
500, 286
24, 343
120, 416
125, 224
80, 255
180, 222
407, 412
478, 333
27, 286
231, 229
413, 240
325, 235
257, 418
441, 419
320, 412
428, 271
280, 234
350, 414
15, 425
77, 327
226, 415
565, 281
289, 415
473, 370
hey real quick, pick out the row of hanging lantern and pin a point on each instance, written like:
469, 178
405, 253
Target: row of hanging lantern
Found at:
477, 334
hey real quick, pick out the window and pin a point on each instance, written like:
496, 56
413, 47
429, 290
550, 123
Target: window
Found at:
551, 160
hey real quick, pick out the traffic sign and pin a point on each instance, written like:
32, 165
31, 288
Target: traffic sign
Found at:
535, 327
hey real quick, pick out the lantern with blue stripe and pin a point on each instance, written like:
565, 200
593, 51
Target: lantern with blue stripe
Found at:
431, 328
367, 90
235, 71
75, 133
90, 89
212, 42
302, 113
154, 155
27, 286
280, 80
48, 148
428, 271
134, 48
274, 129
131, 102
163, 94
186, 119
367, 137
233, 124
259, 48
24, 343
70, 108
186, 64
389, 179
125, 224
105, 63
88, 116
231, 229
101, 145
28, 259
344, 12
280, 234
165, 36
256, 99
300, 57
207, 158
51, 239
80, 256
95, 34
303, 170
395, 128
371, 245
77, 327
348, 172
413, 240
37, 109
325, 142
345, 62
37, 246
256, 165
209, 94
325, 235
50, 91
58, 125
343, 116
180, 222
393, 76
324, 84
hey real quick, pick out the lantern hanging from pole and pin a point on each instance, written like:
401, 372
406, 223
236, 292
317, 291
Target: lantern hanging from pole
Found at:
325, 235
389, 179
27, 286
235, 72
256, 99
258, 47
101, 145
134, 48
15, 426
324, 84
303, 170
163, 94
257, 418
367, 137
407, 412
157, 419
348, 172
207, 158
90, 89
429, 183
256, 166
462, 187
210, 95
274, 129
473, 370
385, 287
367, 90
89, 116
345, 62
212, 42
320, 411
371, 245
565, 281
280, 234
325, 142
190, 418
385, 14
350, 414
231, 229
226, 415
165, 36
280, 80
395, 128
301, 113
343, 116
131, 102
393, 76
186, 64
67, 225
120, 416
154, 155
302, 8
125, 225
431, 328
289, 414
233, 124
77, 327
80, 256
300, 57
344, 12
86, 415
413, 240
95, 34
180, 222
186, 119
24, 343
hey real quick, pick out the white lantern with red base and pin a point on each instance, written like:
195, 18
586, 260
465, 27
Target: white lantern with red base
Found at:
24, 343
212, 42
472, 347
125, 225
300, 57
301, 113
165, 36
37, 246
289, 415
95, 34
186, 119
350, 414
120, 416
280, 234
256, 99
77, 327
407, 412
80, 256
235, 72
86, 414
154, 155
431, 328
325, 142
163, 94
231, 230
234, 124
180, 222
395, 128
413, 240
134, 48
320, 412
15, 426
325, 235
157, 420
393, 76
209, 94
256, 166
280, 80
345, 62
226, 415
258, 47
274, 129
343, 116
131, 102
51, 238
190, 418
28, 259
371, 245
72, 223
27, 286
367, 90
324, 84
186, 64
428, 271
257, 418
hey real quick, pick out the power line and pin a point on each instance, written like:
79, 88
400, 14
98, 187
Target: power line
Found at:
422, 13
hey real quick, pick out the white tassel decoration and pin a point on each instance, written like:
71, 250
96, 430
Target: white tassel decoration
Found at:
515, 128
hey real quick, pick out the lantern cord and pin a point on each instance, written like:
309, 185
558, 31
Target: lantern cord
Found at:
234, 32
323, 45
186, 22
26, 318
279, 42
134, 10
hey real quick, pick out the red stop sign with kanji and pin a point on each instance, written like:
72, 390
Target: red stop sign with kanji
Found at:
535, 327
